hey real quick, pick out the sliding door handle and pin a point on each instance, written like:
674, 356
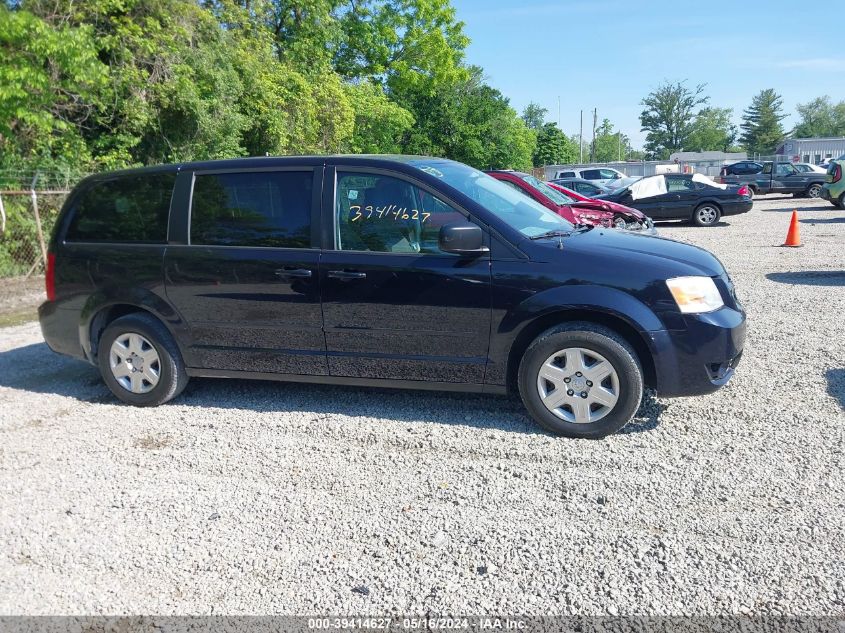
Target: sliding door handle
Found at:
346, 275
293, 272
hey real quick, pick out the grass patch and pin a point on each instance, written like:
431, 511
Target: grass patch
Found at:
18, 317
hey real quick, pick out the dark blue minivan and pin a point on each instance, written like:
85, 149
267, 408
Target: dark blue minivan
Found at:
388, 271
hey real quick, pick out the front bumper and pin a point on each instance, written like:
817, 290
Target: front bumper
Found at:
700, 358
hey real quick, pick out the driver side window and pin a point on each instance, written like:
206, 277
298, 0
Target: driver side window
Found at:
383, 214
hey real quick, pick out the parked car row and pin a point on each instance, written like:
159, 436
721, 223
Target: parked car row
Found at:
690, 197
386, 271
583, 211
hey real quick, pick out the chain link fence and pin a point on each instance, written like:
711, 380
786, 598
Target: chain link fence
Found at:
29, 206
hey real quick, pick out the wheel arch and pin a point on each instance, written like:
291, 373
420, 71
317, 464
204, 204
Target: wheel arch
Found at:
97, 315
599, 317
708, 201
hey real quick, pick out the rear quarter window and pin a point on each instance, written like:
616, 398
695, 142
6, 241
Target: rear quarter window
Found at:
128, 209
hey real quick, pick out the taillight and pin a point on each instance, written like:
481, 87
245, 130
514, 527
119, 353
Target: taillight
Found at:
50, 277
837, 173
743, 191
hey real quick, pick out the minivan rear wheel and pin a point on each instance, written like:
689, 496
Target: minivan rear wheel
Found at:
581, 380
140, 362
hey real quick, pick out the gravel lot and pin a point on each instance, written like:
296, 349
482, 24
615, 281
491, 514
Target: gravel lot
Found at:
248, 497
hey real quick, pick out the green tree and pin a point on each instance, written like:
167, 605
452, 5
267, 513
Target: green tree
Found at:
172, 91
470, 122
668, 117
712, 130
406, 43
820, 117
380, 124
762, 130
534, 116
50, 85
306, 33
554, 147
111, 83
610, 145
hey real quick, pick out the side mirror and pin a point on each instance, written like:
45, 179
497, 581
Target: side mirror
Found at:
462, 238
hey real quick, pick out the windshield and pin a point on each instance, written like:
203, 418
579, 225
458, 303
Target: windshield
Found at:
514, 208
550, 192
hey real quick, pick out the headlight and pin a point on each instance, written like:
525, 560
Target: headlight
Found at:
695, 294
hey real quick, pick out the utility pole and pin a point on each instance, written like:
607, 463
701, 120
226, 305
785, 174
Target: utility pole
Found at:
593, 148
581, 140
558, 112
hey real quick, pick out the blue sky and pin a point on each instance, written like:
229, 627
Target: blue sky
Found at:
609, 54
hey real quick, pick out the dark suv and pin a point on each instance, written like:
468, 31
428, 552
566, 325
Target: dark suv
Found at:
742, 168
379, 271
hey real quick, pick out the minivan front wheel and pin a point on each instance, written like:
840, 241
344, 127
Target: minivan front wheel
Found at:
581, 380
140, 362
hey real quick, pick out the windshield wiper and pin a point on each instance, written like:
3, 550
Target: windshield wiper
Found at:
578, 228
549, 234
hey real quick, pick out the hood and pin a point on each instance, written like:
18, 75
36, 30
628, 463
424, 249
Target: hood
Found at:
657, 257
614, 207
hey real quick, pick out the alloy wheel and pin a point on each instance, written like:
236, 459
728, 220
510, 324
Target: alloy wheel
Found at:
578, 385
707, 215
134, 363
814, 191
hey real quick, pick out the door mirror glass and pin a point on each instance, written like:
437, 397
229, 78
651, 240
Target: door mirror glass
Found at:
462, 238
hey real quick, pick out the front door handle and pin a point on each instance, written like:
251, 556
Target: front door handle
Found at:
346, 275
293, 272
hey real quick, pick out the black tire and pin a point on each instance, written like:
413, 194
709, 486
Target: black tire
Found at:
707, 214
172, 375
840, 202
751, 191
814, 190
589, 336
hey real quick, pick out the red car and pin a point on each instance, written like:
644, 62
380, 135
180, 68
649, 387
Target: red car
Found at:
574, 207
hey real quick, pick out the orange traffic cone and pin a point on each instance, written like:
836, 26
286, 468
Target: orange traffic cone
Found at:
793, 237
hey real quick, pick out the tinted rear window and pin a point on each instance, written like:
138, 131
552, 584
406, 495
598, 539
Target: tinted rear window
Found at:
126, 209
253, 209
